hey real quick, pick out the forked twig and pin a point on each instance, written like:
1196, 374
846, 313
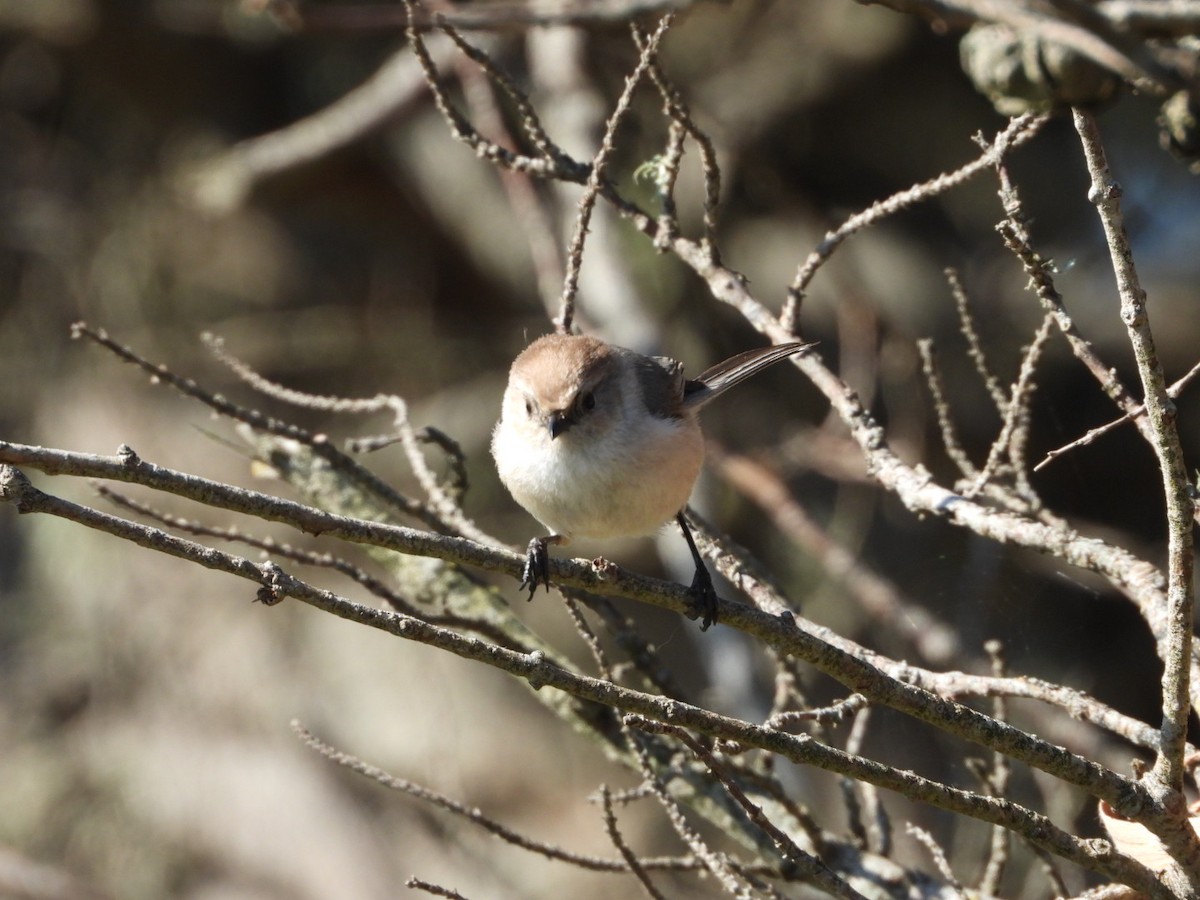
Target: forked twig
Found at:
618, 841
597, 177
1173, 392
474, 816
1018, 131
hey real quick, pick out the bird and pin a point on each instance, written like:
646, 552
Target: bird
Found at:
599, 441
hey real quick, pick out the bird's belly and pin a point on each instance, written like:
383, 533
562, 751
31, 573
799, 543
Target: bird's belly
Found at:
595, 494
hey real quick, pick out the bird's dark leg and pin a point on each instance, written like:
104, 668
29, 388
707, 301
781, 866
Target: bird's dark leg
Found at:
537, 563
704, 596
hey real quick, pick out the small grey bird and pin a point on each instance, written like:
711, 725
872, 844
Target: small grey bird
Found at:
598, 441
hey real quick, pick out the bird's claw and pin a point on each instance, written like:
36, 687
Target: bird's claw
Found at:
537, 566
704, 603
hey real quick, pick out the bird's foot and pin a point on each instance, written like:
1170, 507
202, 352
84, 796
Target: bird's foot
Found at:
704, 603
537, 564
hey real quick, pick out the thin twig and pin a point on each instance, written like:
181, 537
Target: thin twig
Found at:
1173, 392
827, 715
876, 824
359, 474
808, 867
618, 841
472, 815
975, 351
937, 854
589, 638
599, 173
941, 407
559, 166
996, 781
436, 890
714, 862
849, 787
528, 116
1015, 413
682, 123
1018, 131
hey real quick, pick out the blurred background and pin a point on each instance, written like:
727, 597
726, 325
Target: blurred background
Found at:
144, 740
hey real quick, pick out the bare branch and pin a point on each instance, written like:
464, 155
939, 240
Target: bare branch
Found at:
1173, 392
975, 351
1160, 415
1121, 793
436, 890
809, 868
941, 407
598, 174
223, 183
631, 859
781, 632
474, 816
1019, 130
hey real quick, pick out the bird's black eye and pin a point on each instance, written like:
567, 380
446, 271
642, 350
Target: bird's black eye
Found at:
588, 400
529, 407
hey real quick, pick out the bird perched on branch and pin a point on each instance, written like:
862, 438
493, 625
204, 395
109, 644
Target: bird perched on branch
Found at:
597, 441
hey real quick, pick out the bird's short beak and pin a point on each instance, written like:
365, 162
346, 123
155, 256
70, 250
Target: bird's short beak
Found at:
557, 423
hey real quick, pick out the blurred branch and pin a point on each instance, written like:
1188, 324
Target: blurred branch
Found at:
476, 817
1106, 33
23, 878
223, 183
934, 640
499, 15
618, 841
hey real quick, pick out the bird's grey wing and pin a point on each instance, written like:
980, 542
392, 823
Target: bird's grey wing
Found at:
662, 382
724, 375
